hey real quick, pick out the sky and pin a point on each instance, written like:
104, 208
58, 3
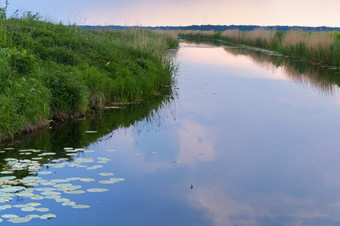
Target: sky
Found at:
184, 12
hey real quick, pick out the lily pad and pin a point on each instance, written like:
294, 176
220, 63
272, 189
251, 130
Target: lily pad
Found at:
97, 190
94, 167
89, 131
33, 204
9, 216
45, 172
76, 192
28, 209
111, 181
81, 206
42, 209
104, 174
20, 219
47, 216
8, 149
87, 180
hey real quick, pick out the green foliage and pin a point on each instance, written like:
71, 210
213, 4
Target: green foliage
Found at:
10, 119
68, 92
47, 68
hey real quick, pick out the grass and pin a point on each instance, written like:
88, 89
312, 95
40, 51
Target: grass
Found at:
55, 71
319, 47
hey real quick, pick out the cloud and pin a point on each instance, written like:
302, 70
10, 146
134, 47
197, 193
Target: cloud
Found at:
195, 144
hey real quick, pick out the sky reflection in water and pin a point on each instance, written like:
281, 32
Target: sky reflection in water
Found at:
256, 136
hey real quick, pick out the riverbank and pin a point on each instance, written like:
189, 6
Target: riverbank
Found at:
318, 47
52, 71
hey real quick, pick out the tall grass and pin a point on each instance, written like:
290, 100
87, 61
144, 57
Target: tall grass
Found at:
320, 47
56, 71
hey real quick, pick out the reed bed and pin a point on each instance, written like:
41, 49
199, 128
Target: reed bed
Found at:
320, 47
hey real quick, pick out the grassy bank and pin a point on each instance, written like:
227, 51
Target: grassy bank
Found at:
51, 70
318, 47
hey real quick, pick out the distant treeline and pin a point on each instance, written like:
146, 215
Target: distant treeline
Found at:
216, 28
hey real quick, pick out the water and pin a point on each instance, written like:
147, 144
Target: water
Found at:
245, 137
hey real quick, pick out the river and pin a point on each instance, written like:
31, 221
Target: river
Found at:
245, 137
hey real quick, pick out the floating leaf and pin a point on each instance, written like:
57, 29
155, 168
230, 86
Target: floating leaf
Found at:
33, 204
33, 216
87, 179
94, 167
6, 172
111, 181
20, 219
67, 148
47, 216
91, 131
97, 190
69, 203
80, 206
42, 209
106, 174
28, 209
45, 172
77, 192
8, 216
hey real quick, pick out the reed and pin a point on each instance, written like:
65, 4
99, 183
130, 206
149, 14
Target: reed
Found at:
319, 47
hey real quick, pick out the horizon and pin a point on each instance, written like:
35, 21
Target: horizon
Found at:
185, 12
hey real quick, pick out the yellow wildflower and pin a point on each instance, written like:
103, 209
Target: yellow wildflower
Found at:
107, 64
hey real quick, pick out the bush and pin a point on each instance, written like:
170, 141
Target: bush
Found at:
68, 92
10, 119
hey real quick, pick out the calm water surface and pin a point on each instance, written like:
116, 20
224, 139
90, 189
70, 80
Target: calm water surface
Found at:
245, 138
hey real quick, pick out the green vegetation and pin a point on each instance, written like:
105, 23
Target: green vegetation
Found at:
318, 47
52, 70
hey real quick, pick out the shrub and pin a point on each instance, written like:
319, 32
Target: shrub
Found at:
68, 92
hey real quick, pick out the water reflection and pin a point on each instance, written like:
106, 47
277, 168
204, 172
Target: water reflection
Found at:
242, 145
324, 79
32, 167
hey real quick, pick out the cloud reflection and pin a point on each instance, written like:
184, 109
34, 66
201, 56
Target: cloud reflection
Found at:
195, 144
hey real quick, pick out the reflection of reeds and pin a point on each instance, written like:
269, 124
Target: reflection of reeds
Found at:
301, 72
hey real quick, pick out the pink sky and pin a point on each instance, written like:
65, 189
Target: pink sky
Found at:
187, 12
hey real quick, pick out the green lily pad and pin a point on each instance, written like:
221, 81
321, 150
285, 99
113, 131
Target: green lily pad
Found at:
34, 204
20, 219
89, 131
8, 149
42, 209
47, 216
80, 206
76, 192
8, 216
28, 209
87, 180
94, 167
104, 174
97, 190
45, 172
